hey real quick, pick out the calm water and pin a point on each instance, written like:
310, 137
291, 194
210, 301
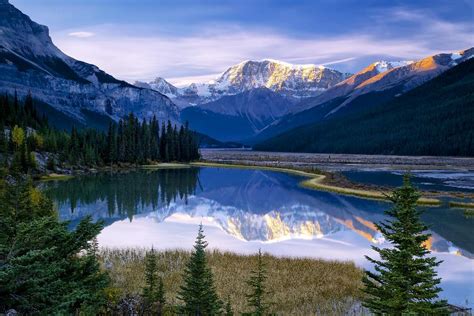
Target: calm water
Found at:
244, 210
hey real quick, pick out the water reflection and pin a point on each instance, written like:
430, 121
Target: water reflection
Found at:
251, 205
244, 210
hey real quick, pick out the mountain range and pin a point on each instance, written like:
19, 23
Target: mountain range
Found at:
250, 102
292, 81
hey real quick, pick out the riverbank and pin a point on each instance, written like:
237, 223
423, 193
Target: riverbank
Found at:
333, 165
298, 286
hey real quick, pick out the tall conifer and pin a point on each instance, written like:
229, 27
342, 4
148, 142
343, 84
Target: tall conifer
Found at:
198, 292
405, 281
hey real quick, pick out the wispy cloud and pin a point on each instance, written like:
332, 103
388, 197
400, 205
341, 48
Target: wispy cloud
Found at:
81, 34
130, 55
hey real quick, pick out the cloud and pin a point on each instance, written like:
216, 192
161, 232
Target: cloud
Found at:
131, 54
339, 61
81, 34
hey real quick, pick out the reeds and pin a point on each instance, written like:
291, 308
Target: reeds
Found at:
297, 286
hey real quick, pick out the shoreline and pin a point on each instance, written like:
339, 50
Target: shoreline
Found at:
329, 181
316, 182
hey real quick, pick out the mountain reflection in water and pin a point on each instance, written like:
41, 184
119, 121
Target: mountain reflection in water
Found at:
251, 205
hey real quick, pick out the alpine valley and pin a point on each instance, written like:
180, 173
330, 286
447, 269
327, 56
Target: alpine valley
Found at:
250, 103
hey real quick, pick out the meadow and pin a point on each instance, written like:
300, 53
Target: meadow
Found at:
296, 286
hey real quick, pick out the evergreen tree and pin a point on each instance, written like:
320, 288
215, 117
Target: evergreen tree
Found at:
160, 296
198, 292
41, 271
405, 281
111, 144
164, 155
151, 284
228, 308
153, 292
256, 298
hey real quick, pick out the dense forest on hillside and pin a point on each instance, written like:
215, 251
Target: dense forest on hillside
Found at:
23, 131
436, 118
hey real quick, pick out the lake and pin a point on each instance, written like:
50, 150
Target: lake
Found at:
243, 210
429, 180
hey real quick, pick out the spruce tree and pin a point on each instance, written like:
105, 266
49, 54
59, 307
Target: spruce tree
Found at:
405, 281
149, 291
45, 268
198, 292
153, 292
228, 308
160, 296
256, 298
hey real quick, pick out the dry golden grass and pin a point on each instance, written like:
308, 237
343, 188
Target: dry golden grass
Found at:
298, 286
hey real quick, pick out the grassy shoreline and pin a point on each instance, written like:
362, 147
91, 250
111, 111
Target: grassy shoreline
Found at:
298, 286
456, 204
316, 182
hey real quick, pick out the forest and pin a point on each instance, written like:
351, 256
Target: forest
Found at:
23, 131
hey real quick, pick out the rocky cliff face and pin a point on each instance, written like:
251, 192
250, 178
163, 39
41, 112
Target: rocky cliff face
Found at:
30, 62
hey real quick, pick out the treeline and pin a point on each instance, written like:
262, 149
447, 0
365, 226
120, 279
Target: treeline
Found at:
23, 131
125, 194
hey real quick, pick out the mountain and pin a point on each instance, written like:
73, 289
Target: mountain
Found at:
160, 85
435, 118
293, 81
239, 116
381, 76
30, 62
369, 88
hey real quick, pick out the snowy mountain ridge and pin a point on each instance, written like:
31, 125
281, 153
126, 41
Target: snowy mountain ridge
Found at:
289, 80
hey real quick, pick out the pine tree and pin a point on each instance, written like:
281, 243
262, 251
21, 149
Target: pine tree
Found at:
405, 281
256, 298
198, 292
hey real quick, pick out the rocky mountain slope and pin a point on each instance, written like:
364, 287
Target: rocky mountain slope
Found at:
30, 62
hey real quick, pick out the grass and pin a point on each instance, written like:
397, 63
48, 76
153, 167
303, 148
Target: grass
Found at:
56, 177
469, 213
456, 204
165, 165
298, 286
316, 182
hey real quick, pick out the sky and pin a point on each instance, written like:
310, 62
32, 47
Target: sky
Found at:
188, 41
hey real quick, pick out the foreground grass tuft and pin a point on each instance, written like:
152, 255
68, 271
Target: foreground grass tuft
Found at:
298, 286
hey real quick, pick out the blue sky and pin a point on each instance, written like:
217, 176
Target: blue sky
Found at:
187, 41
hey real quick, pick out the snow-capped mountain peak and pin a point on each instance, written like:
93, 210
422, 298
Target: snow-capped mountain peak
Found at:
294, 81
384, 65
160, 85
